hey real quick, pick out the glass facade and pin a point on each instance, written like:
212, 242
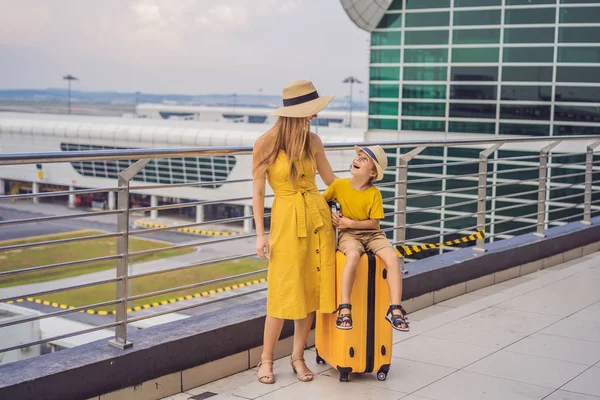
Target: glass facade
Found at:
161, 170
491, 67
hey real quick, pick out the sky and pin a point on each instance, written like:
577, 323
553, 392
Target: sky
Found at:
180, 46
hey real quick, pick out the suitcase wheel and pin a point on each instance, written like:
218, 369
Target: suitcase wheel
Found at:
320, 360
344, 377
381, 375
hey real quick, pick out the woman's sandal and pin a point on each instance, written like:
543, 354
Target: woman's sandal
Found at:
306, 376
265, 377
397, 320
343, 318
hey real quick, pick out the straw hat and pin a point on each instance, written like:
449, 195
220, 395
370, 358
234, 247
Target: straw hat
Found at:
300, 99
377, 154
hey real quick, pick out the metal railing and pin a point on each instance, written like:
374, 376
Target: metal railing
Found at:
476, 203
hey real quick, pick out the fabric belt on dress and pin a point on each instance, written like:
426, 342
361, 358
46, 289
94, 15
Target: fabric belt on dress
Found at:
304, 200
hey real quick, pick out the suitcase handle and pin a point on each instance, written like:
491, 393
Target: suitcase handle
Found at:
335, 208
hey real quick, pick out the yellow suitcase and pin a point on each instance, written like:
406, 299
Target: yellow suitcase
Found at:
368, 345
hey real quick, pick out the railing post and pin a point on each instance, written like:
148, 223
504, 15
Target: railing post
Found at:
125, 176
587, 198
482, 192
542, 189
400, 195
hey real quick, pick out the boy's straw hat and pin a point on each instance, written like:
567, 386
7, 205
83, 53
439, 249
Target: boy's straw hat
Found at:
377, 154
300, 99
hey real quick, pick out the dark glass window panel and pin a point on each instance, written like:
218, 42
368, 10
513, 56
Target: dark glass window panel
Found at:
385, 56
425, 56
425, 37
483, 74
579, 54
461, 152
577, 114
579, 15
476, 36
476, 92
423, 125
383, 108
579, 1
578, 94
484, 54
384, 91
396, 5
579, 34
391, 38
529, 35
414, 20
560, 130
528, 2
385, 73
424, 109
530, 16
483, 17
424, 91
425, 73
528, 54
578, 74
391, 21
477, 3
527, 74
472, 127
387, 124
524, 129
526, 93
529, 112
413, 5
474, 110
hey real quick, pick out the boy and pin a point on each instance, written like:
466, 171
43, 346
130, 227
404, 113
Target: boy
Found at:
362, 208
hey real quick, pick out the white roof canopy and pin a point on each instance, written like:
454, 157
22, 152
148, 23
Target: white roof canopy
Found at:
366, 14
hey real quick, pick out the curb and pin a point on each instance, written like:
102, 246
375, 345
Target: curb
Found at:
144, 306
408, 250
189, 230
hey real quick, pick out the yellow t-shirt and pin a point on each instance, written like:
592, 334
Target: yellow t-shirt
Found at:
358, 205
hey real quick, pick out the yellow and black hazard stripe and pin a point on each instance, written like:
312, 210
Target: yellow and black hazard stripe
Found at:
144, 306
405, 250
194, 231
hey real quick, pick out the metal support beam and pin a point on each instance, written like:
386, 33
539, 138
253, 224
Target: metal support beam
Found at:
400, 194
542, 188
587, 198
482, 192
125, 176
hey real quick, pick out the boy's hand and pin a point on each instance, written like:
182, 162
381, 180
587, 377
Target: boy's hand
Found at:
341, 222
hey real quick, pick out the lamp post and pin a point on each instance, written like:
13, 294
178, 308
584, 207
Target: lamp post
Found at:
351, 80
69, 78
137, 100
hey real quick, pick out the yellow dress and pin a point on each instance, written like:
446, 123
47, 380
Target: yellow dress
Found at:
301, 266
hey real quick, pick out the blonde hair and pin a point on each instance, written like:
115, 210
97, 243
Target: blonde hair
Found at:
292, 135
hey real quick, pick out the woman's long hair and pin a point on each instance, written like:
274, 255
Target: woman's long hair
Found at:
292, 135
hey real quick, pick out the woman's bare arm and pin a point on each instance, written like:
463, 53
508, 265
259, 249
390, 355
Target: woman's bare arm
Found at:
323, 166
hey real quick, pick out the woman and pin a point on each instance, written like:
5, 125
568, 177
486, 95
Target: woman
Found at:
300, 248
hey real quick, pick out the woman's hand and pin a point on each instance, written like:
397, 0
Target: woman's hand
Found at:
262, 247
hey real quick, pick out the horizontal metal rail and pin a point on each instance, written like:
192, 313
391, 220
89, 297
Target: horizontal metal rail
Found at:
61, 241
69, 310
64, 289
59, 217
194, 285
54, 194
57, 265
182, 226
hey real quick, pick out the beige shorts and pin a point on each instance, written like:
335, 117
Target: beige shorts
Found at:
362, 241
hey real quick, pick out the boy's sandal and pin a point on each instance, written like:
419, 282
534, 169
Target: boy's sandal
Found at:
265, 377
304, 377
344, 318
398, 321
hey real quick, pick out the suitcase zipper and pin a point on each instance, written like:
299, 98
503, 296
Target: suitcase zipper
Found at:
371, 313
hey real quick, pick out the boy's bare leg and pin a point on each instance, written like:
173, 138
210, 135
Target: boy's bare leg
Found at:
391, 260
348, 275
